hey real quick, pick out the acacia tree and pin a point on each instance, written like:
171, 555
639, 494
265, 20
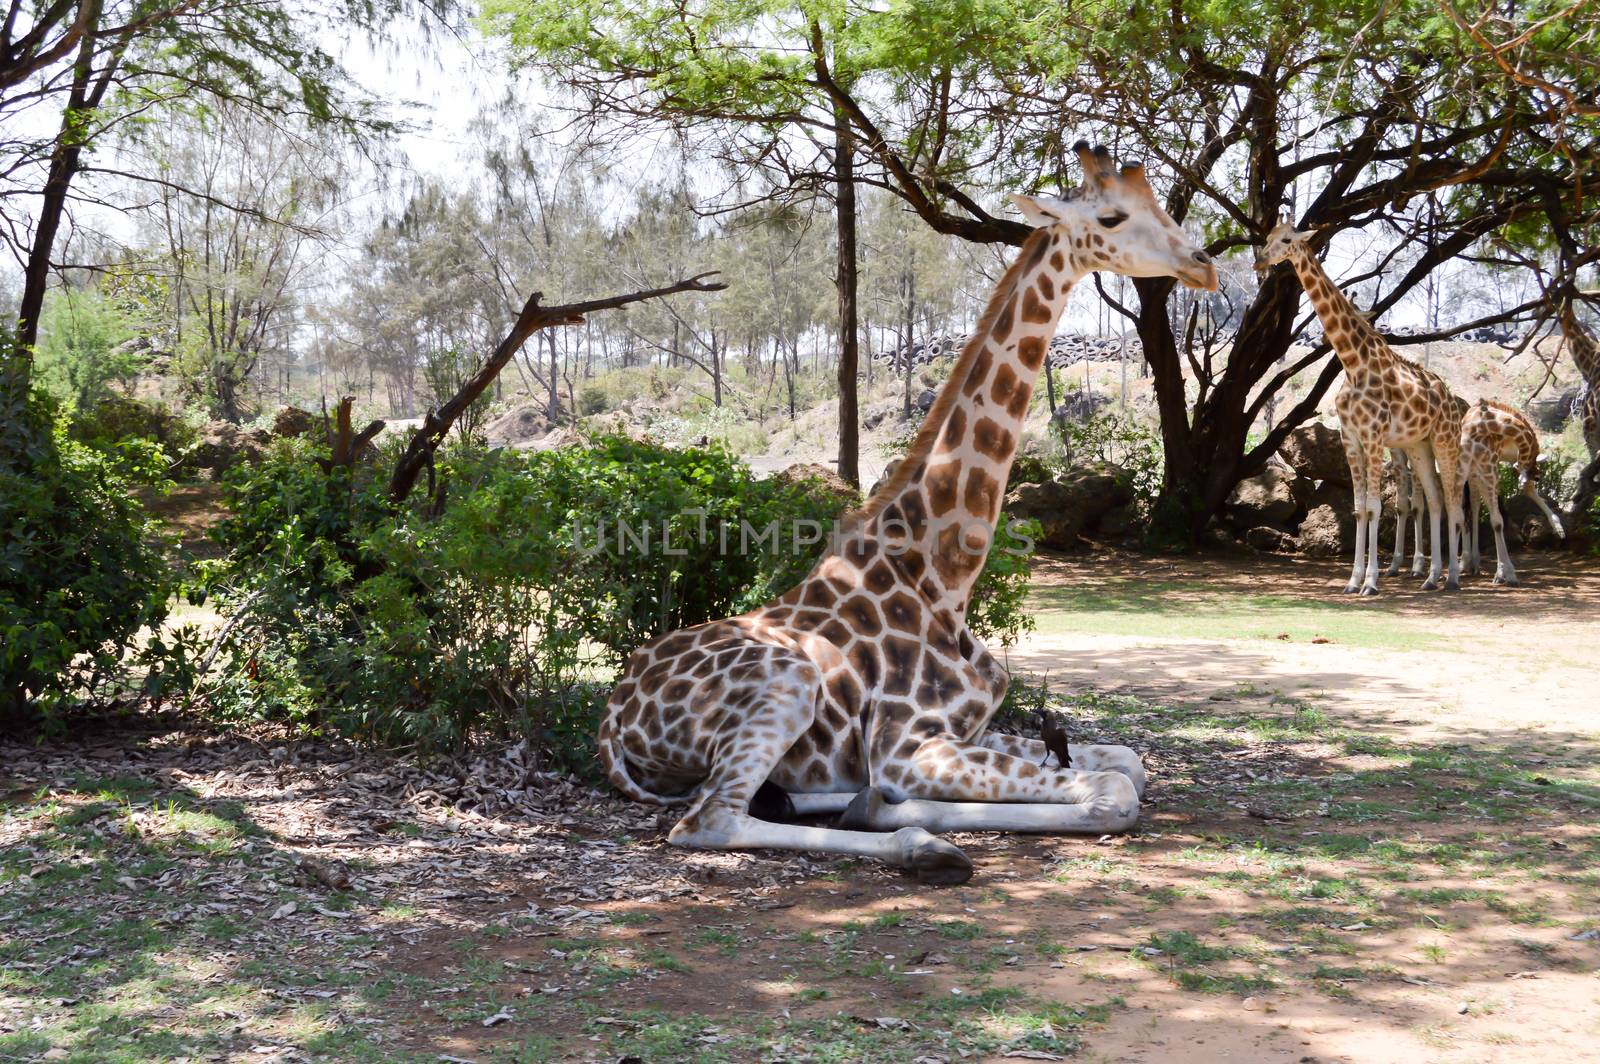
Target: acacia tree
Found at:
1375, 115
92, 68
749, 74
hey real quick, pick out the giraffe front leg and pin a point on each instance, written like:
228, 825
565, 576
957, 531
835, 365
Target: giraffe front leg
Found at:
749, 746
1447, 447
1402, 521
1422, 462
952, 785
1371, 514
1095, 757
1488, 491
1358, 492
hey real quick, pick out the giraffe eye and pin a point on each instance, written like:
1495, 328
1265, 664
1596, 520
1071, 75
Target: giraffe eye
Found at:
1114, 219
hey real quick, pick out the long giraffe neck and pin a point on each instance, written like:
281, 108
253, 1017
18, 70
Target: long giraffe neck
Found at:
940, 511
1342, 322
1584, 350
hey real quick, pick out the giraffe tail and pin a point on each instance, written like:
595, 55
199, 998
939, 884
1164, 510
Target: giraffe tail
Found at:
615, 763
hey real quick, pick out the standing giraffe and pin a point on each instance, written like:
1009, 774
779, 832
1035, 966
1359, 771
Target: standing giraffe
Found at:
1491, 433
1587, 356
1386, 402
862, 690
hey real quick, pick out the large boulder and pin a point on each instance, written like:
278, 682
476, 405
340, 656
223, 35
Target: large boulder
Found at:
1119, 522
1052, 504
1065, 508
519, 425
820, 482
222, 445
1326, 532
1316, 452
1272, 540
1525, 524
292, 421
1272, 497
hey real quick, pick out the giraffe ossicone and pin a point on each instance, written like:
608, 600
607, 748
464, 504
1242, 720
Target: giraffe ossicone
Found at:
862, 691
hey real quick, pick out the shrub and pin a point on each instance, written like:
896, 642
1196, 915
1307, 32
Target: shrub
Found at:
506, 609
79, 576
1120, 440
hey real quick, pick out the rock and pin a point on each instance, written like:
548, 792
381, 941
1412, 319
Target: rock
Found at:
222, 445
1052, 505
1118, 522
516, 426
1326, 532
820, 482
1525, 525
1067, 506
1551, 415
925, 400
1272, 540
1268, 498
1316, 452
292, 421
878, 413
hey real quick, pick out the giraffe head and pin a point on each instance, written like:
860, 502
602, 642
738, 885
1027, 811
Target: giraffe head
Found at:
1283, 239
1114, 223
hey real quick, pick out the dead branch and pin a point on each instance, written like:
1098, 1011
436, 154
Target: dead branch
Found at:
419, 451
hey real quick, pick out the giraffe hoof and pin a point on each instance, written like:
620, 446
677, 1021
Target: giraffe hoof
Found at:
862, 814
1351, 589
1452, 585
1430, 584
1368, 591
1508, 581
937, 863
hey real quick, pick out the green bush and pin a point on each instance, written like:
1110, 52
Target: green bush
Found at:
507, 610
79, 576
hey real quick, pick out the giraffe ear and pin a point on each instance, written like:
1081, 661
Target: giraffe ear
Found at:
1037, 211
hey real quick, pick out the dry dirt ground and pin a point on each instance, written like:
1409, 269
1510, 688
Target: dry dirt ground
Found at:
1372, 834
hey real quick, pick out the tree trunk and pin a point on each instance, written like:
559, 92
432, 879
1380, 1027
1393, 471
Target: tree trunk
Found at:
849, 340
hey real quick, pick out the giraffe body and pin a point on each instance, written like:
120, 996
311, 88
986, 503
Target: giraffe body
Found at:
1493, 432
862, 690
1387, 403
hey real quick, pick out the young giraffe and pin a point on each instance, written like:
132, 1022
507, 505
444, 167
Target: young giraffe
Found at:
1386, 402
1586, 353
1491, 433
863, 687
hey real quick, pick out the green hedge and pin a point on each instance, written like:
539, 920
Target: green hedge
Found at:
506, 609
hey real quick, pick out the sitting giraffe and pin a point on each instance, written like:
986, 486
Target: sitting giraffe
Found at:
1386, 402
1491, 433
863, 687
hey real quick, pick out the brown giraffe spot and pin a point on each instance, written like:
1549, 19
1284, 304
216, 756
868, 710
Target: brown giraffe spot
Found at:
652, 679
901, 612
837, 633
1005, 319
802, 748
942, 486
983, 493
879, 578
845, 692
864, 659
859, 551
953, 563
1005, 382
939, 683
1034, 309
979, 372
990, 440
966, 721
677, 690
860, 613
1057, 263
899, 664
913, 565
942, 641
1047, 287
955, 427
1018, 407
819, 594
1036, 249
1030, 352
1099, 241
